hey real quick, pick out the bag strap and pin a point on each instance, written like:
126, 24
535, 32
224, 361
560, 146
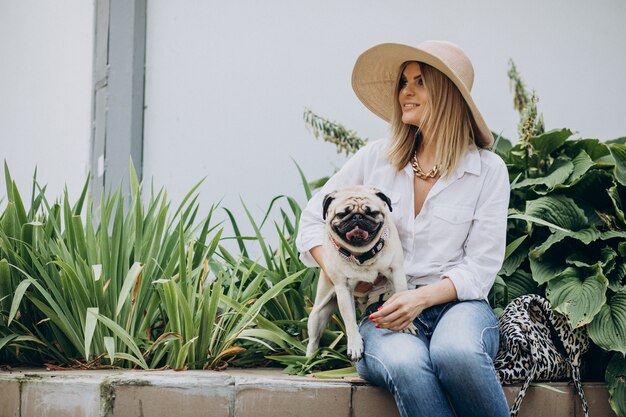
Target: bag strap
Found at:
579, 388
522, 392
560, 346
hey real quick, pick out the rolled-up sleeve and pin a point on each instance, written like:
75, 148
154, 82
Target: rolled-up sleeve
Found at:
311, 229
486, 242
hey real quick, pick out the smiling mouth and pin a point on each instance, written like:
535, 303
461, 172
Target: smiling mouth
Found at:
409, 106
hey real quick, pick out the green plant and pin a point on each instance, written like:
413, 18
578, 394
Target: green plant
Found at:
345, 140
131, 289
567, 229
288, 310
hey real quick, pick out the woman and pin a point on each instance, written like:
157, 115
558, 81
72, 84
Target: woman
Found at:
450, 197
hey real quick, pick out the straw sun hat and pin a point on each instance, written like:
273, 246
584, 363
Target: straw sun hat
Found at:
377, 71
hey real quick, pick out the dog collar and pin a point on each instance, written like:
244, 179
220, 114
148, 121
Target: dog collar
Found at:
359, 259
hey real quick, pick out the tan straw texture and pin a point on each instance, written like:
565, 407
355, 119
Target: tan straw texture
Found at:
377, 71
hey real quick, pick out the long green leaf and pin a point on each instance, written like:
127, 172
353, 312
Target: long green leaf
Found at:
129, 284
91, 320
17, 299
608, 328
125, 338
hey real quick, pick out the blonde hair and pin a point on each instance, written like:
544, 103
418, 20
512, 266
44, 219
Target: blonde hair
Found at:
446, 121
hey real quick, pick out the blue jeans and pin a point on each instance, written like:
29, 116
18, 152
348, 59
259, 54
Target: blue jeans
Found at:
446, 368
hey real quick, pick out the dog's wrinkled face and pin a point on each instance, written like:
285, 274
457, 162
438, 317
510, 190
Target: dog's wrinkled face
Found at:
356, 215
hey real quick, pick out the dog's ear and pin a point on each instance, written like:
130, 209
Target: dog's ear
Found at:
327, 200
385, 199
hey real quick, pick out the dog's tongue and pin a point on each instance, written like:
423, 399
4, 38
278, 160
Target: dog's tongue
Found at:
357, 233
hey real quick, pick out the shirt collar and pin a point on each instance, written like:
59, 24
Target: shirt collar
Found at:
470, 163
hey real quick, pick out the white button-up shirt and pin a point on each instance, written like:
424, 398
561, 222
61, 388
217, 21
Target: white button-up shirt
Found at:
460, 231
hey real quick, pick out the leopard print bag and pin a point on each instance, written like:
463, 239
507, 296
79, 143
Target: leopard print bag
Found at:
537, 343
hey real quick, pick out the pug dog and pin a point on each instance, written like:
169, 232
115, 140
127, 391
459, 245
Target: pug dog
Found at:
362, 243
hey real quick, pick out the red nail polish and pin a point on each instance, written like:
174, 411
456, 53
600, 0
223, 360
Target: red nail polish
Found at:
380, 308
377, 326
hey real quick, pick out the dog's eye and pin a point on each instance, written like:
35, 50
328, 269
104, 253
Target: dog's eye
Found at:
344, 213
371, 212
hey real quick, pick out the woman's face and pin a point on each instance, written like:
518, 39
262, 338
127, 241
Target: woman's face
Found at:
412, 96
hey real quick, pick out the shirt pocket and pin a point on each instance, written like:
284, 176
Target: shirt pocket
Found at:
448, 230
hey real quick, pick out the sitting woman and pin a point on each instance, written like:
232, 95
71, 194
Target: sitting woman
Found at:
450, 196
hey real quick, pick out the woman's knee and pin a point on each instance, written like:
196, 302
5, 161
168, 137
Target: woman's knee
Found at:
464, 354
392, 356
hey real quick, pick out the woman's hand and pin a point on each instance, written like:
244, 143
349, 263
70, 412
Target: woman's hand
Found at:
399, 310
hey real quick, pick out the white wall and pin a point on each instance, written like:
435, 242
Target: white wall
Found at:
227, 82
46, 54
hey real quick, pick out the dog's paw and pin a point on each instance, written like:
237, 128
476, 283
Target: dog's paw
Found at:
355, 348
411, 329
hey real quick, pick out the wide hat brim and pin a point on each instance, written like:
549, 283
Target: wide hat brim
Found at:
377, 71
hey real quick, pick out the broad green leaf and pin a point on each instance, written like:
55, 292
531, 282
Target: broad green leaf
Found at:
592, 188
558, 173
520, 283
613, 234
127, 287
608, 328
550, 141
586, 236
558, 209
91, 319
618, 152
604, 257
620, 140
579, 293
616, 384
545, 270
582, 163
616, 277
592, 147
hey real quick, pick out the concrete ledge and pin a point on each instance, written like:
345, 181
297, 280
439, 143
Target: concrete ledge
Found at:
237, 393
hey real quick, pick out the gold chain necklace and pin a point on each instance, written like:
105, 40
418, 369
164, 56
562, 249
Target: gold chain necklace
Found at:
419, 172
